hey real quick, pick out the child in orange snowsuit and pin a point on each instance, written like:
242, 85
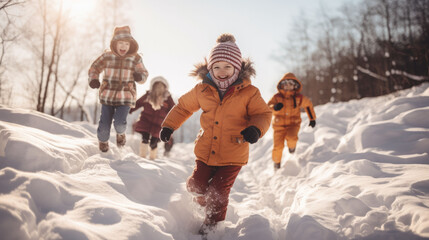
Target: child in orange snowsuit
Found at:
286, 106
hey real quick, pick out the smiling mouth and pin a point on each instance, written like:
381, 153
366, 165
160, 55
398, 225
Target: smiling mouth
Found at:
122, 51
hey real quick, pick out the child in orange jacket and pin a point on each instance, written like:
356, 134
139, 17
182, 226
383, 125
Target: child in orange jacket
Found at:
234, 115
286, 106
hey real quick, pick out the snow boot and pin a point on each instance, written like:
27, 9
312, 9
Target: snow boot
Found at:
206, 228
167, 147
153, 153
276, 166
120, 139
144, 147
104, 146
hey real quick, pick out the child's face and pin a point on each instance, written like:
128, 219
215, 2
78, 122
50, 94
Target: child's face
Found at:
122, 47
159, 87
287, 84
223, 70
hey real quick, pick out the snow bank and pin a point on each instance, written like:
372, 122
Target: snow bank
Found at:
362, 173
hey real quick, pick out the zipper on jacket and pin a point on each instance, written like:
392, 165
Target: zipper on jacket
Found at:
120, 74
309, 113
120, 79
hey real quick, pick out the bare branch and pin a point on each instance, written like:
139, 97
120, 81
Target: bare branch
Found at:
9, 3
69, 94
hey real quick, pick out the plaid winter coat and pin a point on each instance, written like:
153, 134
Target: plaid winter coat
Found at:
118, 86
220, 142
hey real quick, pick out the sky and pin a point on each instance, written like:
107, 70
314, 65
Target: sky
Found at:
361, 173
175, 35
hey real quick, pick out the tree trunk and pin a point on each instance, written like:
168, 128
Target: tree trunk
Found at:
42, 67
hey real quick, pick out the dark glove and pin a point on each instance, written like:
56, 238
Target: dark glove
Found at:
312, 123
278, 106
251, 134
94, 83
165, 134
137, 77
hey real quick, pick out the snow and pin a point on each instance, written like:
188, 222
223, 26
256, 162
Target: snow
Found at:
361, 173
409, 75
373, 74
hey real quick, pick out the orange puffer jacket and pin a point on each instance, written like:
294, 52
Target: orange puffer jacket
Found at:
292, 101
220, 142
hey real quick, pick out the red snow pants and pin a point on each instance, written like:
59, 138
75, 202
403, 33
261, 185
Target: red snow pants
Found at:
214, 183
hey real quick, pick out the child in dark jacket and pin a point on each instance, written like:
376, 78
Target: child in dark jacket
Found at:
233, 115
286, 106
122, 68
156, 103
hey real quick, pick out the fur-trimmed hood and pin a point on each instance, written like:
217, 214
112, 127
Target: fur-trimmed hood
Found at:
124, 34
291, 76
149, 93
247, 70
159, 79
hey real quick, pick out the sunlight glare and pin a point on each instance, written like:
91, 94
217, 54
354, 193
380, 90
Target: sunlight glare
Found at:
78, 8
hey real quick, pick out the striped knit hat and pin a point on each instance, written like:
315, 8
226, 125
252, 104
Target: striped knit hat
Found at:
124, 34
225, 50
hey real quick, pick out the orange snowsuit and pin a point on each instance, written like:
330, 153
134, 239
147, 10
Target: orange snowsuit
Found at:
286, 121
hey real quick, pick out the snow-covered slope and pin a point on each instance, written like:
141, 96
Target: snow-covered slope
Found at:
362, 173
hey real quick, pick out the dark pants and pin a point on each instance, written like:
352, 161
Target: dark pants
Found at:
214, 183
146, 138
169, 145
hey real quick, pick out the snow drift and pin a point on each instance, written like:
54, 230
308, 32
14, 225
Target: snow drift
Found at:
361, 173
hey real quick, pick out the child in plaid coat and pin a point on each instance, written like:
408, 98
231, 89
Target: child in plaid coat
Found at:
122, 68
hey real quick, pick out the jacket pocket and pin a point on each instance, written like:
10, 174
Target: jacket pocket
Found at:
237, 139
102, 88
199, 135
278, 120
132, 90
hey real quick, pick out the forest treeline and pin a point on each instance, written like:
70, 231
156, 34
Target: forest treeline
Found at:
367, 48
44, 46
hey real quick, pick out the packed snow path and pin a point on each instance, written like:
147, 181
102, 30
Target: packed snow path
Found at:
362, 173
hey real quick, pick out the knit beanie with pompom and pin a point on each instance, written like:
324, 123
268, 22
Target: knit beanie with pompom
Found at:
225, 50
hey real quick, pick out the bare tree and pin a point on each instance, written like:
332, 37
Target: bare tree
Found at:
296, 55
62, 61
53, 61
8, 36
375, 47
4, 4
110, 15
42, 57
